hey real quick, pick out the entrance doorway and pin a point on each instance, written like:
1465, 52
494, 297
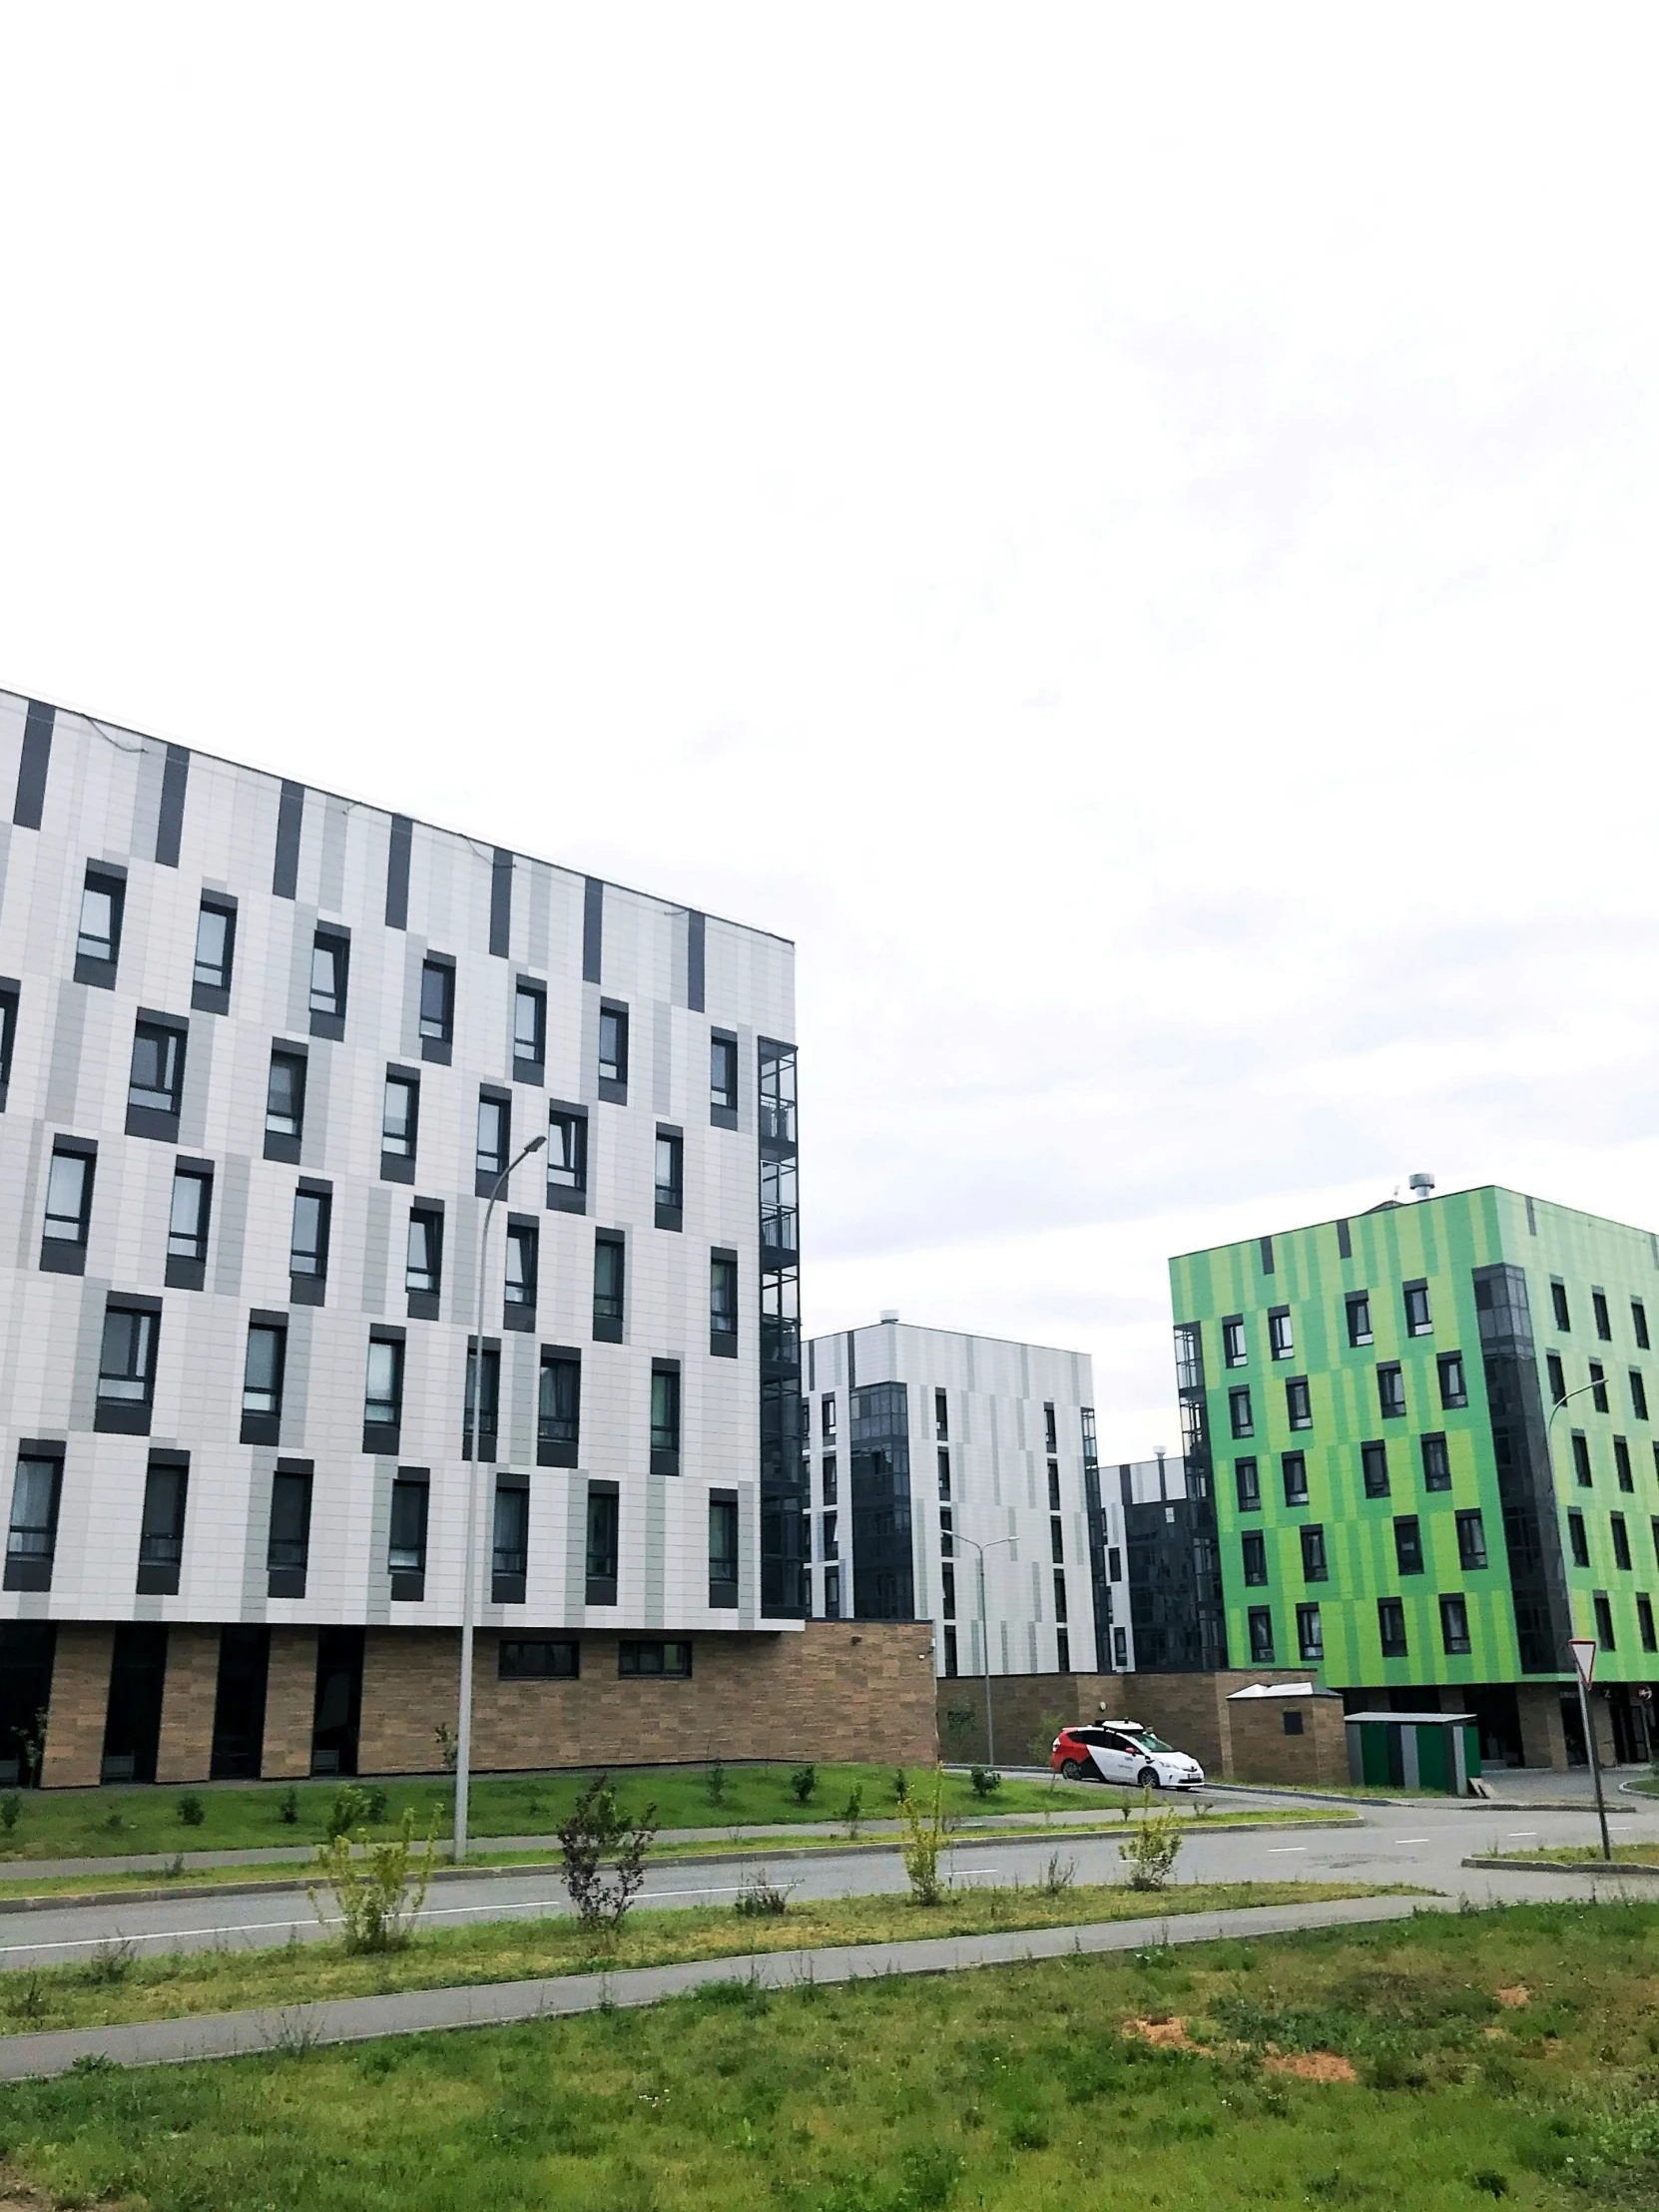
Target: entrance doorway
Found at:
27, 1650
133, 1717
239, 1706
339, 1700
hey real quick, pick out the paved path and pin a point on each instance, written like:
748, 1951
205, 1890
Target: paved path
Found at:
417, 2012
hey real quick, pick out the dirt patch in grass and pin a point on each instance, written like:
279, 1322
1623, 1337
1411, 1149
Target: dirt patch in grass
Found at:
1168, 2034
1515, 1995
1311, 2065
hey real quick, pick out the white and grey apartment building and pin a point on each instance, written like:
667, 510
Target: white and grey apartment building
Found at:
264, 1053
926, 1443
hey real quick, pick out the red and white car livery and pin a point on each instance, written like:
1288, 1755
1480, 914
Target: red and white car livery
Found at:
1123, 1752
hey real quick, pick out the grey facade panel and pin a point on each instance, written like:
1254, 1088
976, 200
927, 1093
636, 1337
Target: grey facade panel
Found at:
34, 764
291, 814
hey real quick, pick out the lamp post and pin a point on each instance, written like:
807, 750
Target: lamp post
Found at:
469, 1591
1583, 1694
985, 1637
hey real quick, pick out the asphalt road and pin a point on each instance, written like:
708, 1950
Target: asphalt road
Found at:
1397, 1843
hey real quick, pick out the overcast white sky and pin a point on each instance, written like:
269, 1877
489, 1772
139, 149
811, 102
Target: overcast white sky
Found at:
1128, 533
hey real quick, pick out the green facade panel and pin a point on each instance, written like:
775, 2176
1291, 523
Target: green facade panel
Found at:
1498, 1454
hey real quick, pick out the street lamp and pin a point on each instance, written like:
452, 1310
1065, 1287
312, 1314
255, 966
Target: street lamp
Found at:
1583, 1694
985, 1637
470, 1592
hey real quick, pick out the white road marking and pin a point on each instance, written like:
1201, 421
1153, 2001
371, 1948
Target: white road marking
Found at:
1515, 1832
1289, 1851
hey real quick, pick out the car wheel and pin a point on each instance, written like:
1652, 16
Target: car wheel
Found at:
1148, 1779
1073, 1770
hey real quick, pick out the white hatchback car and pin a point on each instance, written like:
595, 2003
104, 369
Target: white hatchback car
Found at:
1126, 1753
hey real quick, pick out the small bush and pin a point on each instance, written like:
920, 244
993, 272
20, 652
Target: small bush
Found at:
760, 1897
900, 1785
110, 1963
803, 1781
113, 1824
449, 1746
985, 1781
1151, 1851
11, 1810
854, 1812
714, 1781
29, 2002
288, 1806
191, 1811
375, 1800
597, 1828
380, 1893
1058, 1876
923, 1842
349, 1811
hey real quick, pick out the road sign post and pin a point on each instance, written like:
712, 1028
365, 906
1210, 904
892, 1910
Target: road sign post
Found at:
1585, 1666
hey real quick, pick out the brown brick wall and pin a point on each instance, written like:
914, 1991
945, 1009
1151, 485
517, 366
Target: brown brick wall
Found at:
1189, 1711
834, 1690
290, 1701
1262, 1752
186, 1739
80, 1702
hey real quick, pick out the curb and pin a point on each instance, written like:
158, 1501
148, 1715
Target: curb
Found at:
1564, 1866
71, 1900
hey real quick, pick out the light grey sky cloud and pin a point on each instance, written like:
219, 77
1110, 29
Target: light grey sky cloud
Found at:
1129, 537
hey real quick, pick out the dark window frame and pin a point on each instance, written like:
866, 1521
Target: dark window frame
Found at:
558, 1429
723, 1096
129, 1412
263, 1425
59, 1254
100, 969
205, 996
187, 1271
437, 1041
146, 1118
289, 1553
398, 1148
329, 1020
530, 1067
286, 1144
614, 1018
608, 1326
567, 1197
32, 1545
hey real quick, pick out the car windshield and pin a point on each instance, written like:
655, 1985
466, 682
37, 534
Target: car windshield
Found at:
1148, 1742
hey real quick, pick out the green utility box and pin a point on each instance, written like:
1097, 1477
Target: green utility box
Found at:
1414, 1751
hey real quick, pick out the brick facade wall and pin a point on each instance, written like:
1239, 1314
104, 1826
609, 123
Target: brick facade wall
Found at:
289, 1702
187, 1740
1189, 1711
80, 1703
1263, 1752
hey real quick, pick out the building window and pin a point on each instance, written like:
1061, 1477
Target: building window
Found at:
423, 1265
1310, 1638
1248, 1481
1281, 1342
1417, 1322
1294, 1467
828, 1480
161, 1526
1063, 1650
1189, 1356
665, 1418
942, 1421
127, 1361
1579, 1543
1644, 1621
1054, 1485
406, 1543
157, 1079
1604, 1621
538, 1659
437, 1002
383, 1385
723, 1074
1558, 1301
670, 1179
262, 1375
399, 1117
1314, 1565
1638, 1321
1358, 1318
567, 1156
1599, 1387
1621, 1542
187, 1221
1471, 1540
1120, 1648
947, 1587
1581, 1458
483, 1397
32, 1540
723, 1551
1621, 1464
1238, 1406
1453, 1388
951, 1658
1454, 1627
1235, 1351
826, 1417
603, 1519
308, 1237
1373, 1469
613, 1046
288, 1545
1558, 1378
832, 1596
654, 1658
331, 957
608, 1288
1298, 1405
1408, 1545
522, 1262
779, 1210
69, 1196
1391, 1627
1436, 1464
722, 1302
285, 1097
1261, 1635
559, 1409
1114, 1564
529, 1027
1598, 1309
831, 1544
1391, 1393
8, 1034
511, 1555
98, 943
1254, 1551
491, 1150
1638, 1396
216, 942
1056, 1542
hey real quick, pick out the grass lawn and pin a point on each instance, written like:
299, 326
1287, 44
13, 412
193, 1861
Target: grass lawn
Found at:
1630, 1855
53, 1823
1467, 2058
114, 1987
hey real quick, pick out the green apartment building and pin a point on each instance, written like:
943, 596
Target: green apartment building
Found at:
1429, 1437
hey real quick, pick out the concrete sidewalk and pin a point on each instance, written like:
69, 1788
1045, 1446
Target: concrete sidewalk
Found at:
495, 2004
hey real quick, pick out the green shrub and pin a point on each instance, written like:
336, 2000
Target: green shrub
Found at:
288, 1806
803, 1781
379, 1888
1151, 1851
923, 1841
11, 1810
985, 1780
191, 1811
854, 1813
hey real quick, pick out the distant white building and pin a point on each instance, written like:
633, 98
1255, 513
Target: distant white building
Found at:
924, 1443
